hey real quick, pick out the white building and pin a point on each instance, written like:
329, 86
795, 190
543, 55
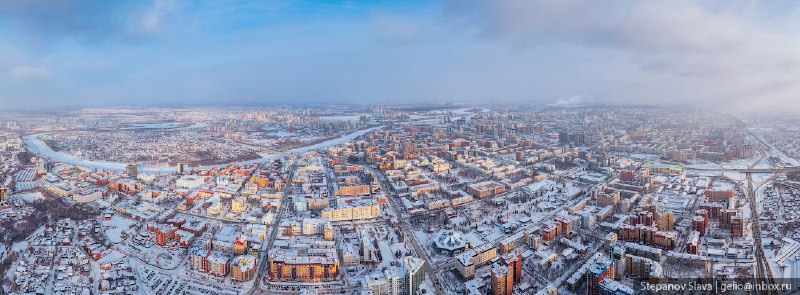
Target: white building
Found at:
190, 181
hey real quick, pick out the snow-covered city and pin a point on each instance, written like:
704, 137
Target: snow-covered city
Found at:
435, 199
399, 147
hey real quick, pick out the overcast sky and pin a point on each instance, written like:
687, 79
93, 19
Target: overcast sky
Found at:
742, 55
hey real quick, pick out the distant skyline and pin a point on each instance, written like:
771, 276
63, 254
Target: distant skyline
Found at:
738, 55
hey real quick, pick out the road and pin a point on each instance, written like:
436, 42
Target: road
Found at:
751, 170
263, 286
429, 267
262, 255
763, 270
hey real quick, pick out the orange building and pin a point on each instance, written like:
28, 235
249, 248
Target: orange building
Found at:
737, 226
725, 217
163, 233
720, 195
486, 189
699, 224
284, 267
513, 261
611, 199
502, 281
693, 242
628, 175
354, 190
600, 268
260, 181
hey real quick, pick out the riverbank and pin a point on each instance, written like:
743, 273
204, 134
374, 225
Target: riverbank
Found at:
42, 149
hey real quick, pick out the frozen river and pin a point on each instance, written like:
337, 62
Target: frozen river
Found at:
40, 148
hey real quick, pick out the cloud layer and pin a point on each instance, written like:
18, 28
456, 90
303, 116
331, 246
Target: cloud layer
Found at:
740, 55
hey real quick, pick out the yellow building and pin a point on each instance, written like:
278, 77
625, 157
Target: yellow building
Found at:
352, 212
653, 167
244, 268
239, 205
328, 232
3, 194
240, 245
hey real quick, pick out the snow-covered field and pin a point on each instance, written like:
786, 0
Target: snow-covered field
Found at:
28, 197
116, 226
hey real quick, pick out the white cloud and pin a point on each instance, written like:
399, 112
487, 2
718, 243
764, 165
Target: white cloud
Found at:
683, 51
574, 100
153, 19
396, 29
29, 73
740, 54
